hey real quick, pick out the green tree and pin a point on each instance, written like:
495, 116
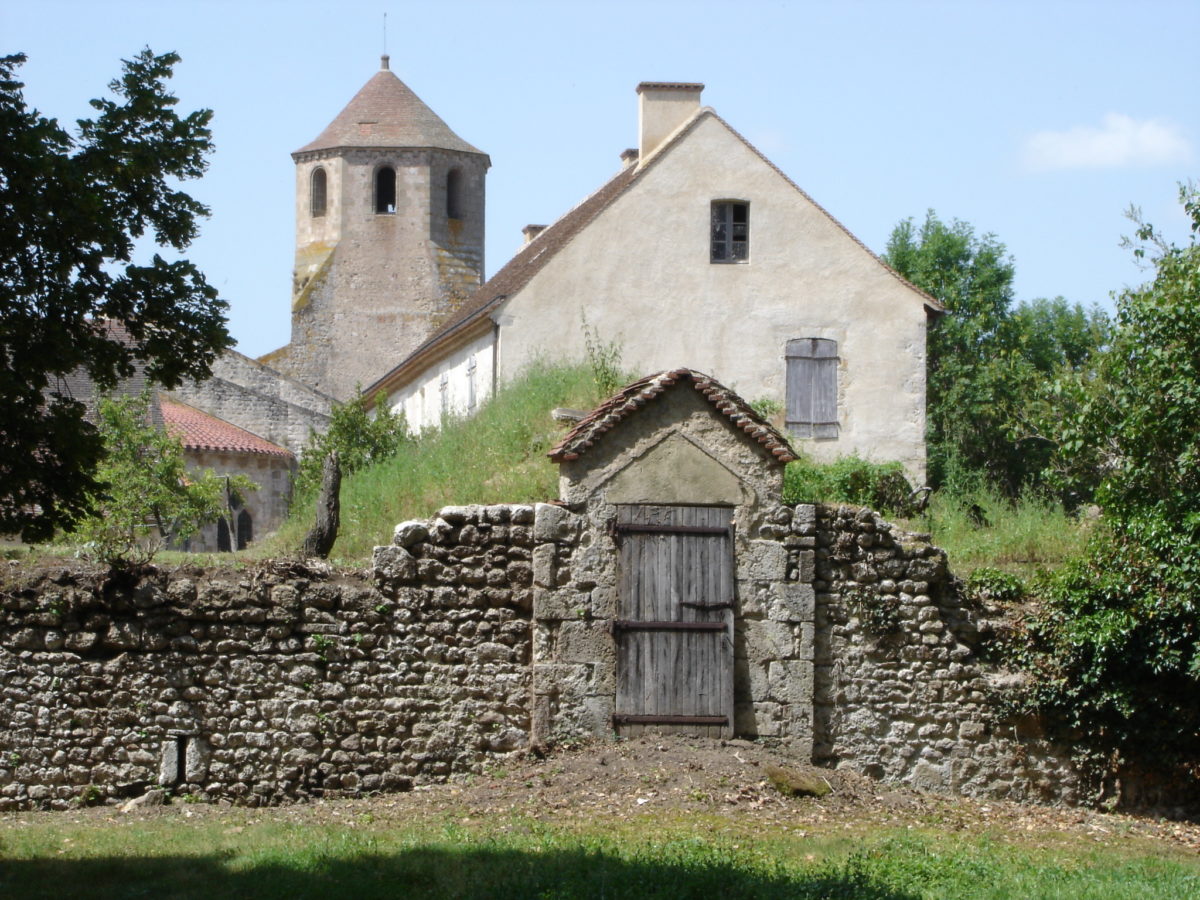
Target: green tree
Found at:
987, 361
72, 299
359, 437
147, 498
1117, 646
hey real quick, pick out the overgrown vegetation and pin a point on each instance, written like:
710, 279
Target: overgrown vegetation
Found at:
496, 456
147, 499
988, 360
1116, 646
851, 479
359, 437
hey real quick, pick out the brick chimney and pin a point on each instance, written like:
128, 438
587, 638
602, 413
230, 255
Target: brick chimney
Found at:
663, 107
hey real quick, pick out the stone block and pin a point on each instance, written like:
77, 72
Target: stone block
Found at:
765, 641
409, 533
762, 561
554, 523
587, 641
806, 566
793, 602
563, 603
543, 565
196, 757
791, 681
393, 564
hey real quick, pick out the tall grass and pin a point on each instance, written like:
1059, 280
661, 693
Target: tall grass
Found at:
496, 456
983, 528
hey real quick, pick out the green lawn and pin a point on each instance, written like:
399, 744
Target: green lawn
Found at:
259, 854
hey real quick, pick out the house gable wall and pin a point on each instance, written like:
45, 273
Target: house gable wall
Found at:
640, 274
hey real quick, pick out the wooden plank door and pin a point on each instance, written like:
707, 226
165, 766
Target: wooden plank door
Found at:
674, 629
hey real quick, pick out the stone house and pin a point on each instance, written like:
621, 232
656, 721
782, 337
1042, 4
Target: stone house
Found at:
698, 252
210, 443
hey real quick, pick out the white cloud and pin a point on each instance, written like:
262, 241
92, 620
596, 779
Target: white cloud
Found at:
1120, 142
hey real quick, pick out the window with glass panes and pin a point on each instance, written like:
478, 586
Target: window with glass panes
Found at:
730, 231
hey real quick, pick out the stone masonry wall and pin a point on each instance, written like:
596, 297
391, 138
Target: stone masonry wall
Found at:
265, 686
485, 629
900, 692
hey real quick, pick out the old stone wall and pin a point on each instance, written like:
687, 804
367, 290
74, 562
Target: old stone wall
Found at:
485, 629
900, 691
260, 687
261, 400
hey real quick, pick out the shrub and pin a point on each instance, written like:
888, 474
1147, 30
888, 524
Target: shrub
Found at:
851, 479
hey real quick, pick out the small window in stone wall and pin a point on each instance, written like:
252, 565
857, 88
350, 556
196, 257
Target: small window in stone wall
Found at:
454, 194
812, 365
317, 193
385, 190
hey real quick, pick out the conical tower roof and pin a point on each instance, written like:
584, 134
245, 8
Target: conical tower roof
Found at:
386, 113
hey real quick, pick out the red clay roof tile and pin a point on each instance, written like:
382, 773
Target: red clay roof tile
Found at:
200, 431
634, 396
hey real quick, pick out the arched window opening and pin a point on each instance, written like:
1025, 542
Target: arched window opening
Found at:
245, 529
454, 194
223, 543
316, 193
385, 190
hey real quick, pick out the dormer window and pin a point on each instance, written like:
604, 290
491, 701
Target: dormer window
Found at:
730, 231
454, 194
385, 190
317, 193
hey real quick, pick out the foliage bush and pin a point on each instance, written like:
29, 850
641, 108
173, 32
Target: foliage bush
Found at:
148, 498
851, 479
359, 438
1116, 647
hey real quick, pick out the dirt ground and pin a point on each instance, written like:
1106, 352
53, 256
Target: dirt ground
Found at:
665, 774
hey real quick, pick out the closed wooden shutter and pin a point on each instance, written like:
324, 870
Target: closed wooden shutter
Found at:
812, 388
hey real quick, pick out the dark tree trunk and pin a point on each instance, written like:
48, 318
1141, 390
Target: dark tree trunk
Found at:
319, 540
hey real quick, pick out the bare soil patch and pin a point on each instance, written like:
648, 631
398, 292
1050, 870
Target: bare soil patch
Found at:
666, 777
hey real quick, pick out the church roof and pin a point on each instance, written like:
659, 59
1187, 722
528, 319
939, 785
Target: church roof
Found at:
200, 431
386, 113
629, 399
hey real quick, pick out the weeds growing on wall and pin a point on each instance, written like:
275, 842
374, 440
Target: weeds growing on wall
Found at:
604, 358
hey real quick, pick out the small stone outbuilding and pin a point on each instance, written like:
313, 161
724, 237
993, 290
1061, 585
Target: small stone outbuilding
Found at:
668, 602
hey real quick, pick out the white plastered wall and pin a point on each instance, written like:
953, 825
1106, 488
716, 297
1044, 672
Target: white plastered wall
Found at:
641, 273
463, 378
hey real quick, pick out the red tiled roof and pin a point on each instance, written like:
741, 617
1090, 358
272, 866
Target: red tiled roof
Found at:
634, 396
200, 431
386, 113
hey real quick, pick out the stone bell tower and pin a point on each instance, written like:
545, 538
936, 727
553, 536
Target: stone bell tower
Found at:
389, 237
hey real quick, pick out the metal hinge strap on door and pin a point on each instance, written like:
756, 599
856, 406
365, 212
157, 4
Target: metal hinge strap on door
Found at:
628, 527
634, 625
624, 719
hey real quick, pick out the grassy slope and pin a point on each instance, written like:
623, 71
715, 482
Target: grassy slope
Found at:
497, 456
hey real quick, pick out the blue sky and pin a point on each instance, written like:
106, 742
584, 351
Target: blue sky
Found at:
1040, 122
